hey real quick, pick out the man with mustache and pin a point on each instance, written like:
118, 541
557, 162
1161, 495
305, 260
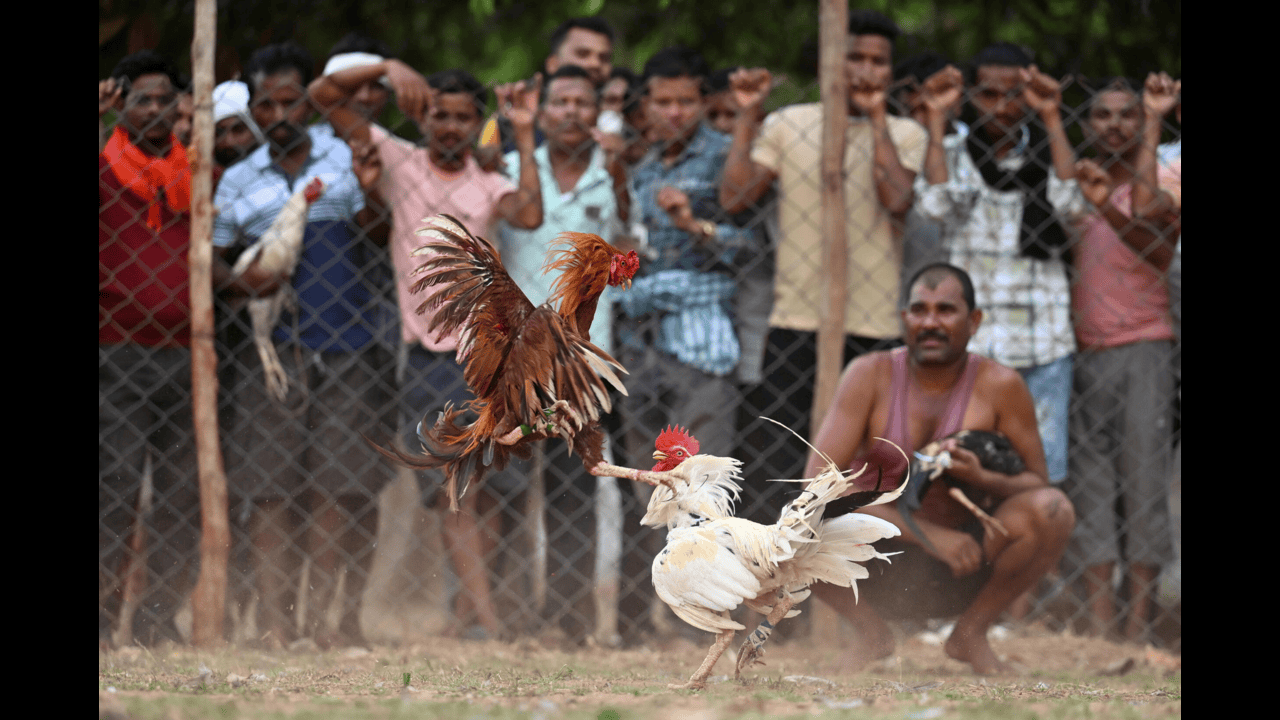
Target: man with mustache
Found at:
912, 396
311, 478
144, 360
235, 134
586, 181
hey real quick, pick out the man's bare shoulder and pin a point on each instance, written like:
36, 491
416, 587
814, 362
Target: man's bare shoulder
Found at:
870, 367
865, 378
1001, 383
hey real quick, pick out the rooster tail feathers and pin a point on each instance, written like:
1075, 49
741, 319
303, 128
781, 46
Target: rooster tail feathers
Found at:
246, 259
896, 492
604, 366
825, 458
446, 227
413, 462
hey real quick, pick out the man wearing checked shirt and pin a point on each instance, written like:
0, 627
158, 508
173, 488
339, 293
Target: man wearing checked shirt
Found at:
681, 345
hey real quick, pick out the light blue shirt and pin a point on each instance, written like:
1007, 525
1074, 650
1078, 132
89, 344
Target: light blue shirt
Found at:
589, 207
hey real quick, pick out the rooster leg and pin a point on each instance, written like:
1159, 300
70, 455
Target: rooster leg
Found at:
277, 380
990, 525
551, 422
264, 314
699, 679
753, 647
604, 469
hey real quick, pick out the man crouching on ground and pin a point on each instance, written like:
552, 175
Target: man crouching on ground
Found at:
906, 395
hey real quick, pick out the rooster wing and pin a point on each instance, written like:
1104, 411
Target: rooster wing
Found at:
519, 360
521, 357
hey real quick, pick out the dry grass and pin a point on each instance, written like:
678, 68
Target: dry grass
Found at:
1059, 676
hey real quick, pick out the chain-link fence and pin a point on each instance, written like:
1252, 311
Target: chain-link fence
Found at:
332, 544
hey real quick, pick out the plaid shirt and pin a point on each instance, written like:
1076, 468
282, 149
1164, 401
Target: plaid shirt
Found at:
1026, 302
681, 277
696, 328
696, 173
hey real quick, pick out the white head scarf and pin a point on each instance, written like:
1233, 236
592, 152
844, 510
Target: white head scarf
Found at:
346, 61
231, 99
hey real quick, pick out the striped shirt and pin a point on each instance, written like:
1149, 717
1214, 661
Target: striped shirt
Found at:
335, 306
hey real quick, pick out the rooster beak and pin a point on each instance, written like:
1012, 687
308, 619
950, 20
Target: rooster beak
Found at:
659, 455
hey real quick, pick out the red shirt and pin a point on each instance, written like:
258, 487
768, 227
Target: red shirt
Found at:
1119, 298
143, 285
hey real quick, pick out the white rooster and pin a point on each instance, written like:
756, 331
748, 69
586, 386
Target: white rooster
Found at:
714, 562
277, 251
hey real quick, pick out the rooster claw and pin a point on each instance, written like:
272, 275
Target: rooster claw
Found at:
748, 657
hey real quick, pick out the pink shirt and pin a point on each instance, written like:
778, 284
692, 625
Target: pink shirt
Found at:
1118, 297
415, 189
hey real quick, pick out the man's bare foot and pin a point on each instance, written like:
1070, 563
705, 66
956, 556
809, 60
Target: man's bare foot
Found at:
865, 650
973, 648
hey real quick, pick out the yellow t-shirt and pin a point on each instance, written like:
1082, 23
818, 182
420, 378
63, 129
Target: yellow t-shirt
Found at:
790, 144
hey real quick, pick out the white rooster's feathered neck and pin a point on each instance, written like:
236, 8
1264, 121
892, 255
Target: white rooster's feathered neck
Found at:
708, 489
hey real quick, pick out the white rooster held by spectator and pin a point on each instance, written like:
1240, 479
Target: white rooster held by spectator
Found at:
277, 251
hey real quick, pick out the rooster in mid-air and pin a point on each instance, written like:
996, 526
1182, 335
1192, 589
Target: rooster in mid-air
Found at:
534, 371
714, 562
277, 251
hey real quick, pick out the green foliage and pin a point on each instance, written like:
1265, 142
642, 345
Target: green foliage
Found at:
503, 40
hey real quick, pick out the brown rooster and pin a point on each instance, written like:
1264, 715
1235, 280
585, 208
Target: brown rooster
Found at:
534, 371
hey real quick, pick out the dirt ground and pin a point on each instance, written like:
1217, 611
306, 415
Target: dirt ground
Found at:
1056, 675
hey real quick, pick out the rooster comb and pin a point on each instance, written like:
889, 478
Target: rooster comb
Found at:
673, 435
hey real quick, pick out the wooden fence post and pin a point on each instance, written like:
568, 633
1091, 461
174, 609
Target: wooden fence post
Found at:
209, 600
833, 40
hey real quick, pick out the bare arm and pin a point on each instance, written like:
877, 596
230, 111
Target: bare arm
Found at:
844, 428
1043, 94
110, 95
375, 217
1016, 420
939, 92
744, 180
330, 92
519, 103
1154, 211
1155, 247
895, 184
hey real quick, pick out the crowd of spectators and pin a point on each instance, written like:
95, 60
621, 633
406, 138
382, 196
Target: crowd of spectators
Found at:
1071, 252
